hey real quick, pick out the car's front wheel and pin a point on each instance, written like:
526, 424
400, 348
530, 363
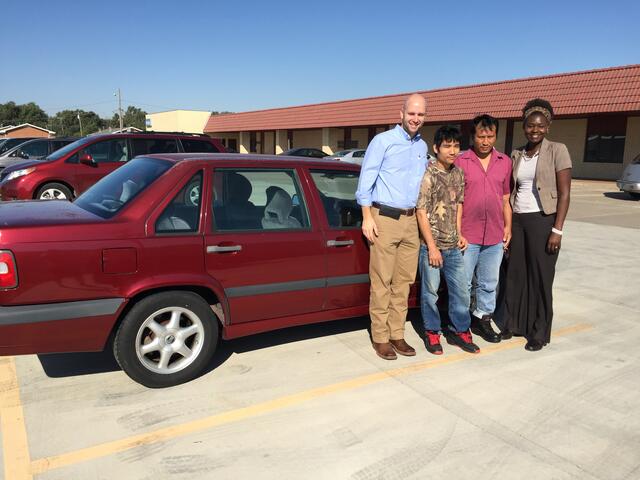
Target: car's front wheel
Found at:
54, 191
166, 339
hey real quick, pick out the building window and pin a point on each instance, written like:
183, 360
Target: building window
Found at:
605, 139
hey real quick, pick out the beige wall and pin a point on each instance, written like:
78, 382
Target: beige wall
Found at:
502, 135
243, 142
190, 121
427, 132
269, 142
632, 142
360, 135
573, 133
281, 141
307, 138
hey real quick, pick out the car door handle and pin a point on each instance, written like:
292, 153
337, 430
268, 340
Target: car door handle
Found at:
225, 248
339, 243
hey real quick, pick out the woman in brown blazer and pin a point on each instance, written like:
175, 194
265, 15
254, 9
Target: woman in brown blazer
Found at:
540, 201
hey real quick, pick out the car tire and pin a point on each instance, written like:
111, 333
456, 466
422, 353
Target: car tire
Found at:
192, 194
54, 191
635, 195
166, 339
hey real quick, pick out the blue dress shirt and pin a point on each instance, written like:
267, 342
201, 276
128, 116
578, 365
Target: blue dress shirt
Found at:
392, 169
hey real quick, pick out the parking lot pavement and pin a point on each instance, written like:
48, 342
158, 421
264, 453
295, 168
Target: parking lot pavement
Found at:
315, 402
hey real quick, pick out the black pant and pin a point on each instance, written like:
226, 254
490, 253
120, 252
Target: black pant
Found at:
527, 300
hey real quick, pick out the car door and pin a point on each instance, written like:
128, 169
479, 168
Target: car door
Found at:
347, 249
107, 155
261, 245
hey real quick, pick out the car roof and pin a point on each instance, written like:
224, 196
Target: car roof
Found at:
247, 158
194, 136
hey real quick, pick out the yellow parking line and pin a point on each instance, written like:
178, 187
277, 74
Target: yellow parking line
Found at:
109, 448
17, 462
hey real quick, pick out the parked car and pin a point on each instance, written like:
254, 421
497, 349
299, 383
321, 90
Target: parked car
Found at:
68, 172
35, 149
271, 242
305, 152
9, 143
353, 155
630, 180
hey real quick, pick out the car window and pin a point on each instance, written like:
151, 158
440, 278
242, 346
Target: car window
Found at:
68, 148
359, 153
35, 149
108, 151
338, 195
113, 192
341, 153
182, 215
198, 146
145, 146
258, 200
316, 153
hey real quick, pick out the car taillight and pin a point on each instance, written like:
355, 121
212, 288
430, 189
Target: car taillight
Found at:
8, 271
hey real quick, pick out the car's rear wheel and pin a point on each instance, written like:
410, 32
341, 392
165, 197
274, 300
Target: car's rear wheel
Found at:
166, 339
54, 191
635, 195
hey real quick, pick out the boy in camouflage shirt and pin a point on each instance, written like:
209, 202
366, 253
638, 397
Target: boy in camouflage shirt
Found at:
439, 215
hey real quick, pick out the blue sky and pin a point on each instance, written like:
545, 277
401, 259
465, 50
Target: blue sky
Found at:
247, 55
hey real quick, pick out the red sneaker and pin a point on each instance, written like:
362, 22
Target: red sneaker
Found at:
432, 342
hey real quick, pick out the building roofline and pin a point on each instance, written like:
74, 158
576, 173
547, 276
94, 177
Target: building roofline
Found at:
441, 89
15, 127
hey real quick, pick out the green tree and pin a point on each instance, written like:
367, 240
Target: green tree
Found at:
12, 114
132, 117
66, 123
33, 114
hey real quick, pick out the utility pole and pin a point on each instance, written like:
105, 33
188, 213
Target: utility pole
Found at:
120, 109
80, 120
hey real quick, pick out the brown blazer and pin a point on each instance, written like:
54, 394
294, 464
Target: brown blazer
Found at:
553, 157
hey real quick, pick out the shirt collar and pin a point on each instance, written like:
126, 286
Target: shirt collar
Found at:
495, 154
401, 131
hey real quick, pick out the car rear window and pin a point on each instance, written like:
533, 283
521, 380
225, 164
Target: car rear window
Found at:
113, 192
198, 146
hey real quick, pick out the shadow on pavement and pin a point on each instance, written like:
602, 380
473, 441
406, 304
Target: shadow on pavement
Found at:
620, 196
57, 365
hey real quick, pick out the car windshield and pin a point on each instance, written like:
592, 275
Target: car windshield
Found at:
341, 153
68, 148
113, 192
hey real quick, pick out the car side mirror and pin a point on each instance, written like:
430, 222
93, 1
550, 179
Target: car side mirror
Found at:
87, 159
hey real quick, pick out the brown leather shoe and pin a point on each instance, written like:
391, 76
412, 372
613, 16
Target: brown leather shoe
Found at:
403, 348
384, 350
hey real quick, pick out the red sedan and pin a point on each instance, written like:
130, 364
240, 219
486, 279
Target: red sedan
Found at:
170, 252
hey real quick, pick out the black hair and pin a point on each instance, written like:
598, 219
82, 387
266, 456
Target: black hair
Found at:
484, 121
537, 102
449, 133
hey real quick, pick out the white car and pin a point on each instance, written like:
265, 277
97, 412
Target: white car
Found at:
630, 180
353, 155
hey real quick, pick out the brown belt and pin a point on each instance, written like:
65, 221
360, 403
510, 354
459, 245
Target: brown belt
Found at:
398, 211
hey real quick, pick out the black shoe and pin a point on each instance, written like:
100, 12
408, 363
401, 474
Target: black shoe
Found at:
482, 327
432, 342
506, 334
464, 341
534, 345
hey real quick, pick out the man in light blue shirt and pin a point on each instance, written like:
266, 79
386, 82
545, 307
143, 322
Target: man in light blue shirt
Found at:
387, 192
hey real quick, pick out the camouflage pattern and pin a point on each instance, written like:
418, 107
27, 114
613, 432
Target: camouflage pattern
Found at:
440, 193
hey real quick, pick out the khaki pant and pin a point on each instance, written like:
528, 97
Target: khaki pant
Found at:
392, 269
